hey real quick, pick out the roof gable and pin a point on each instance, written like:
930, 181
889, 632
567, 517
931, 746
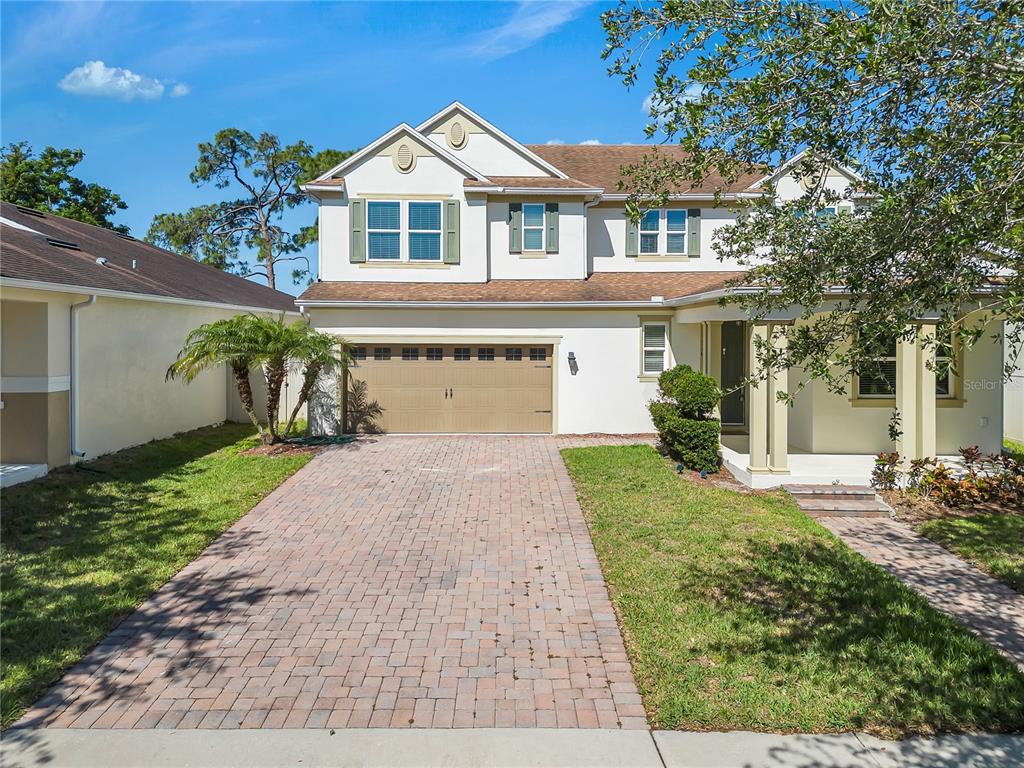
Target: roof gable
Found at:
479, 124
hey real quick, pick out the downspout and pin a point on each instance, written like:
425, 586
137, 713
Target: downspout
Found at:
73, 399
587, 258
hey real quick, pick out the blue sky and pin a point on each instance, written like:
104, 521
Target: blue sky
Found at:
334, 74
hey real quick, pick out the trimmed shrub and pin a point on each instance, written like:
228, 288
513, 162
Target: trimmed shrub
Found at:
683, 417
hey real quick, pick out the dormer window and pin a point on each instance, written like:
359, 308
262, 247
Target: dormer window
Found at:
533, 226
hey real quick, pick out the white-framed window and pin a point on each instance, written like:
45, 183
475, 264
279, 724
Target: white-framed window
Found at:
384, 230
533, 226
663, 231
675, 231
424, 231
654, 358
650, 231
403, 230
945, 362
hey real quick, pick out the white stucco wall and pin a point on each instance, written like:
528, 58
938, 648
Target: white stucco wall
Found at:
1013, 408
606, 395
489, 155
568, 263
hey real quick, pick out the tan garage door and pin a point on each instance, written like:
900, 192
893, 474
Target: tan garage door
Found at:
478, 388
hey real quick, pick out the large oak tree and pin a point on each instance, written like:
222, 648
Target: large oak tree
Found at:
923, 98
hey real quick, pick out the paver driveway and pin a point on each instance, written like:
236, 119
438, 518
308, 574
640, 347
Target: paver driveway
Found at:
398, 581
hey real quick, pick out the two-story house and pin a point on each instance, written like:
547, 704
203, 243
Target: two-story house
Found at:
493, 287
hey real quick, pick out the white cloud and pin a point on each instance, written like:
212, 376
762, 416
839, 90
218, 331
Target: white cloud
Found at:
692, 92
95, 78
529, 23
591, 141
552, 142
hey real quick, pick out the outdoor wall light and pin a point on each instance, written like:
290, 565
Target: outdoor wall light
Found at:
573, 367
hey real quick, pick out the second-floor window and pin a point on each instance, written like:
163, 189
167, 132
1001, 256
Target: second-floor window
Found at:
533, 226
663, 232
403, 231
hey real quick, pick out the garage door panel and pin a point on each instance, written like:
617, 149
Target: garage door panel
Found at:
458, 395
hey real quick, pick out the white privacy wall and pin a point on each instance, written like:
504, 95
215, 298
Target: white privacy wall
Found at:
606, 395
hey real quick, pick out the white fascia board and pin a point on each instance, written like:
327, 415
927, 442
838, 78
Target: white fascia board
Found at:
681, 196
38, 285
426, 143
546, 191
314, 187
493, 129
314, 304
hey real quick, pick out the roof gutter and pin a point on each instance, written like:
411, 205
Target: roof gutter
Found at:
74, 385
399, 304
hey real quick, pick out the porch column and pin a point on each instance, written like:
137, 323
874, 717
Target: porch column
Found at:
758, 406
779, 410
907, 365
926, 388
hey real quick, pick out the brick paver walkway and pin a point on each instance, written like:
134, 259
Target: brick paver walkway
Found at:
394, 582
987, 606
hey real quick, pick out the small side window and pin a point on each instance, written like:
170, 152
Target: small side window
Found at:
462, 353
410, 353
655, 347
513, 353
485, 353
358, 353
382, 353
538, 354
435, 353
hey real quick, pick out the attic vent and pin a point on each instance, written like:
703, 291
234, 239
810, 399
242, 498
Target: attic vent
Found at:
457, 135
63, 244
404, 158
30, 212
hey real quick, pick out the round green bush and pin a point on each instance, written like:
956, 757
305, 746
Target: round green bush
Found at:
695, 394
692, 442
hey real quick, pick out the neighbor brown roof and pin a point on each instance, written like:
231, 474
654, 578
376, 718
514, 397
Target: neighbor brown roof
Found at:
31, 256
537, 182
601, 287
600, 165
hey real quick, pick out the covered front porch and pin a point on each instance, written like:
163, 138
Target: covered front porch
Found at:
823, 437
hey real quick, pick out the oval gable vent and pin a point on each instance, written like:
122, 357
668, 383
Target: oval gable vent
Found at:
403, 157
457, 134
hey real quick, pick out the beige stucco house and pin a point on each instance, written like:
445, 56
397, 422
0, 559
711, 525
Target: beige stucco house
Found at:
492, 286
90, 320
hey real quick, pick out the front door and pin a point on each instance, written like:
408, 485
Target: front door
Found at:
733, 372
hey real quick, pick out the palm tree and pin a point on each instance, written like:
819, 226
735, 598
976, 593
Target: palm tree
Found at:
238, 342
319, 353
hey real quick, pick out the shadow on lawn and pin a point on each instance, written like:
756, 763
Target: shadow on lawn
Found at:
816, 600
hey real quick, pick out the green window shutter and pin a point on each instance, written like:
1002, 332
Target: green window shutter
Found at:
451, 232
551, 221
693, 233
515, 227
632, 237
357, 231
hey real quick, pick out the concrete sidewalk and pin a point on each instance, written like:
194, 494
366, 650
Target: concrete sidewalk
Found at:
494, 748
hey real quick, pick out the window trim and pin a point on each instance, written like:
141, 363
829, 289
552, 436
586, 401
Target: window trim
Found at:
656, 232
543, 228
953, 397
662, 234
404, 232
666, 349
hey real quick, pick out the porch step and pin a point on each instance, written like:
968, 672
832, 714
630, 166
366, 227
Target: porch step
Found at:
838, 501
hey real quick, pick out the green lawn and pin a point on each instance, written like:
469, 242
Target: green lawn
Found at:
740, 612
83, 547
993, 542
1015, 449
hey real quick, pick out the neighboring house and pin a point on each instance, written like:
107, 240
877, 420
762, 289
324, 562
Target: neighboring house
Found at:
490, 286
90, 321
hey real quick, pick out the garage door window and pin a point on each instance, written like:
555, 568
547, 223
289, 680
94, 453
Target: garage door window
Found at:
435, 353
410, 353
382, 353
538, 354
513, 353
462, 353
359, 353
485, 353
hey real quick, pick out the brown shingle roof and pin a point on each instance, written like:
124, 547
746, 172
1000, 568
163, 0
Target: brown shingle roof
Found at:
28, 256
538, 182
601, 287
600, 165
